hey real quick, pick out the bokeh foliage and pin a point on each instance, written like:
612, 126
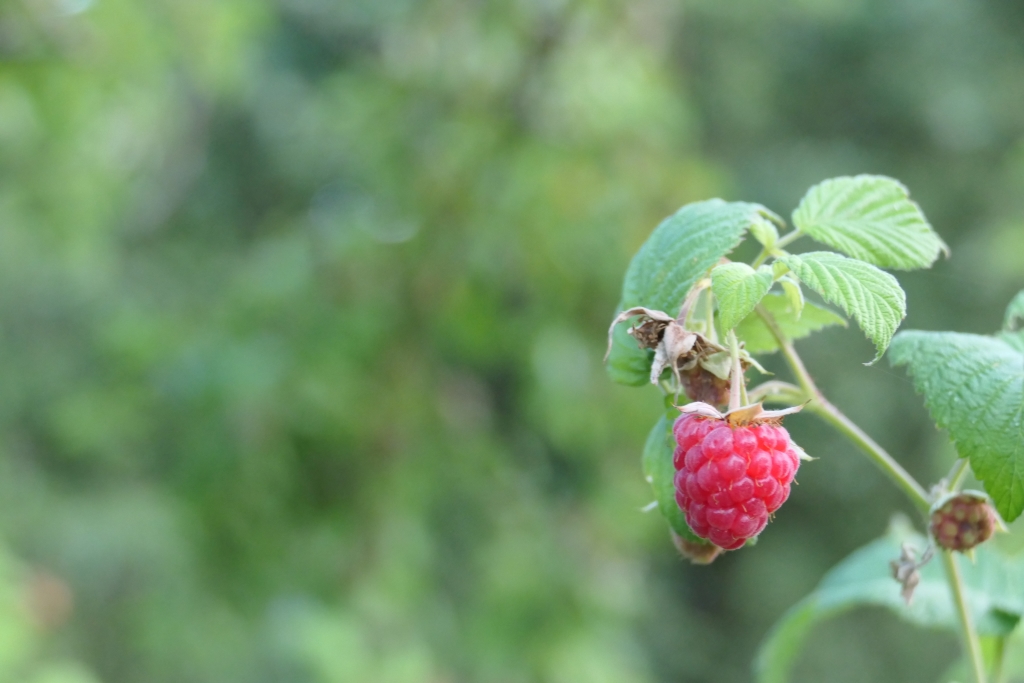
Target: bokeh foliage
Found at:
302, 308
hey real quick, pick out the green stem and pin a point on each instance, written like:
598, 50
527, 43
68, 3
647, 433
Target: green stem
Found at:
1000, 657
893, 470
970, 636
775, 391
821, 407
788, 239
712, 333
957, 474
738, 384
785, 240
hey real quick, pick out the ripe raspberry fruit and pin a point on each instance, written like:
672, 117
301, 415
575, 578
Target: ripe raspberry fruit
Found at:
963, 521
733, 471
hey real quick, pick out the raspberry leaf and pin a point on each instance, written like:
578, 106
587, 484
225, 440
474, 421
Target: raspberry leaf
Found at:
870, 218
873, 297
765, 232
683, 248
738, 288
1014, 313
1012, 322
791, 287
995, 597
795, 324
679, 252
658, 468
973, 386
627, 363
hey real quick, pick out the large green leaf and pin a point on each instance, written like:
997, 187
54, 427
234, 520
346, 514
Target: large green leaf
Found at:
873, 297
738, 288
994, 588
871, 218
757, 338
680, 251
973, 386
659, 470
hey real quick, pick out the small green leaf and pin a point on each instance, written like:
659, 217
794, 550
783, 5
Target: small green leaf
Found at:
738, 288
627, 363
1012, 334
873, 297
758, 339
791, 288
658, 468
765, 232
1014, 313
973, 386
870, 218
994, 591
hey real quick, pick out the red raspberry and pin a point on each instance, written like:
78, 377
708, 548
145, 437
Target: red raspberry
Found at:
730, 478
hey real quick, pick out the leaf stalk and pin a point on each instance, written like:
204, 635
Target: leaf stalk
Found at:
820, 406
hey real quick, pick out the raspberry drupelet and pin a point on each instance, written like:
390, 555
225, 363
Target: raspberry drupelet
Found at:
730, 478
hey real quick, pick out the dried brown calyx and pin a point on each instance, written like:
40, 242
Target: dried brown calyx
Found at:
700, 365
740, 417
906, 570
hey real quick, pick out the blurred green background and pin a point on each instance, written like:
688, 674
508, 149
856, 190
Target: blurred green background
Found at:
303, 303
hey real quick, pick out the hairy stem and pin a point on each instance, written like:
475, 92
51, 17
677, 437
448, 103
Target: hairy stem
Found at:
828, 412
970, 636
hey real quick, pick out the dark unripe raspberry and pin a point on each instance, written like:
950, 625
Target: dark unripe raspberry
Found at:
701, 385
729, 478
963, 521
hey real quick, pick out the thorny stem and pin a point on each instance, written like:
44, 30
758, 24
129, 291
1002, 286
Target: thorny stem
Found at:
828, 412
970, 635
